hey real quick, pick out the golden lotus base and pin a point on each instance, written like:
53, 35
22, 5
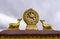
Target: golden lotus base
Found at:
29, 34
31, 27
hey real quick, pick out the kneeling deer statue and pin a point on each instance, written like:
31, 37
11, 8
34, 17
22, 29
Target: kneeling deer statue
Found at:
15, 26
45, 26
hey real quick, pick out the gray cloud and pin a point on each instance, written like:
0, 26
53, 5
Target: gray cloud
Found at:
49, 10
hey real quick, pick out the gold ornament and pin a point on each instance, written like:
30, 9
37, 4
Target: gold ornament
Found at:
31, 18
46, 26
15, 26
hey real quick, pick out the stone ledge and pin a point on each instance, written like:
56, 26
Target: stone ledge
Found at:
30, 32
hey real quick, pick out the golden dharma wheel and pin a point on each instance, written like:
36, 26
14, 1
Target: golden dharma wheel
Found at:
31, 18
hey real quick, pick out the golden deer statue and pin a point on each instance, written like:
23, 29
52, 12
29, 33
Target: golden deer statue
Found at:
15, 26
46, 26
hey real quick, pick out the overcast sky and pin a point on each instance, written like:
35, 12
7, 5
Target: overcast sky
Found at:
11, 10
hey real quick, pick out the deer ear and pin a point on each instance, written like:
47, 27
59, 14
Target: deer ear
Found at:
43, 20
40, 20
20, 18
